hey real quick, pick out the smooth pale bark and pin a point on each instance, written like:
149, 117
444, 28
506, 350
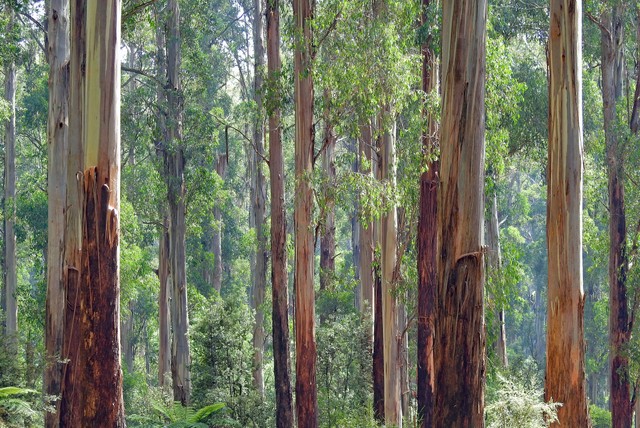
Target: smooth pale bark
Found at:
460, 339
10, 279
174, 163
57, 130
426, 243
92, 391
259, 203
619, 331
279, 278
389, 247
494, 265
328, 230
565, 377
306, 393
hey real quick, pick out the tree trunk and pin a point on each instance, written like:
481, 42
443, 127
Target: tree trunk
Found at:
565, 378
57, 129
10, 279
619, 333
460, 340
279, 278
389, 247
92, 390
164, 328
355, 237
366, 234
426, 243
494, 265
378, 340
328, 229
129, 349
73, 205
221, 169
176, 194
259, 203
306, 393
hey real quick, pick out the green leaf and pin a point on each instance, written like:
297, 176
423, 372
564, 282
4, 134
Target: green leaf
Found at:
206, 411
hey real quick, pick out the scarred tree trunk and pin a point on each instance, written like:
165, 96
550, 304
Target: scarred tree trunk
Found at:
176, 194
426, 243
279, 278
460, 342
306, 393
259, 203
57, 129
619, 332
10, 279
565, 378
92, 390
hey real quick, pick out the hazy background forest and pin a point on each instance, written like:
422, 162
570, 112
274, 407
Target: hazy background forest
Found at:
364, 56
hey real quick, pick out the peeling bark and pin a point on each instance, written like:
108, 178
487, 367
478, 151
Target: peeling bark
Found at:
460, 340
306, 355
565, 377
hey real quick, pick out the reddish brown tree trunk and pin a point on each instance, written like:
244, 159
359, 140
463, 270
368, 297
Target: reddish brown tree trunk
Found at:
306, 393
279, 278
426, 243
460, 342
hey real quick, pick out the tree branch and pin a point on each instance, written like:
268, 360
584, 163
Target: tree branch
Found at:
142, 73
137, 8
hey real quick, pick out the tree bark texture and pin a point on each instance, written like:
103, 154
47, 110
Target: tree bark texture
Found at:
460, 339
259, 202
619, 332
426, 242
389, 247
74, 205
378, 349
279, 278
57, 131
306, 393
565, 377
10, 278
92, 390
174, 163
